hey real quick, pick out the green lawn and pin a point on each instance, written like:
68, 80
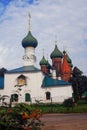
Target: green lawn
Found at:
81, 107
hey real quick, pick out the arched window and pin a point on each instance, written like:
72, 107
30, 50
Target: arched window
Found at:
27, 97
14, 97
21, 80
48, 95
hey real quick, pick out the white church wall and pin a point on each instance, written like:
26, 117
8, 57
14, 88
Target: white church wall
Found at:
58, 93
1, 91
34, 81
33, 87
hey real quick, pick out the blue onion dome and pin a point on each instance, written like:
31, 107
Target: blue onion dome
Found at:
43, 61
29, 41
56, 53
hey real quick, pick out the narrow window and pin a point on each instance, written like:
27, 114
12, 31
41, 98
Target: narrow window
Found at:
14, 97
27, 97
48, 95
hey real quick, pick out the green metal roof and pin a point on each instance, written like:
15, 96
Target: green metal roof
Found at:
29, 40
68, 58
50, 82
56, 53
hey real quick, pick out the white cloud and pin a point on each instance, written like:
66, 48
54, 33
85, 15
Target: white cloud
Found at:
66, 19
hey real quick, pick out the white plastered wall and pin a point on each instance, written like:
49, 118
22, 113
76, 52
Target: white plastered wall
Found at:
33, 87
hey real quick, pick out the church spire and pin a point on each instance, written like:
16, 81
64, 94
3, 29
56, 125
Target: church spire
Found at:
29, 16
43, 51
55, 40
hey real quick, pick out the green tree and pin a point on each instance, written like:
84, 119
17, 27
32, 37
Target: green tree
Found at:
79, 83
68, 103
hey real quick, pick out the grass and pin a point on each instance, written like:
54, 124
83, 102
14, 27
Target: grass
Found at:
81, 107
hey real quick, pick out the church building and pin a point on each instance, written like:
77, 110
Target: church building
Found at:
28, 84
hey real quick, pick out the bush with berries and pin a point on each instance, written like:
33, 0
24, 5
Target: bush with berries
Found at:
20, 117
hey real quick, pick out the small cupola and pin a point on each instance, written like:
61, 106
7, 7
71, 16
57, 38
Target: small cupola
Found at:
43, 61
56, 53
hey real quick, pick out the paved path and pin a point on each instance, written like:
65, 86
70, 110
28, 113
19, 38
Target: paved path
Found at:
65, 122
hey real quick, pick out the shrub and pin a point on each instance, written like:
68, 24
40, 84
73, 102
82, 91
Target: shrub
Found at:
68, 103
20, 117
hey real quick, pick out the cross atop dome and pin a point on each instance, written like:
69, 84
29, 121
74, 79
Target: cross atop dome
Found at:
55, 39
29, 16
29, 40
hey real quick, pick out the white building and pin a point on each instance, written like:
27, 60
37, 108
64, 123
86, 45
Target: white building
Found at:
28, 83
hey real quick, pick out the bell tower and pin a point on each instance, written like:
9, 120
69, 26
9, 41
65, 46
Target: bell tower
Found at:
29, 43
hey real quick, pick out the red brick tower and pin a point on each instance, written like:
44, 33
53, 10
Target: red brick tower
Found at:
69, 61
66, 68
43, 64
56, 57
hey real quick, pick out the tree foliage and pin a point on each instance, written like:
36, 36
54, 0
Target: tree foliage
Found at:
76, 72
68, 103
79, 83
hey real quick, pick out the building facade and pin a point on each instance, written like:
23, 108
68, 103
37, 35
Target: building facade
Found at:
29, 84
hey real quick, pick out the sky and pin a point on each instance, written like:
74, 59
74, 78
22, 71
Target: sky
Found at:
64, 21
